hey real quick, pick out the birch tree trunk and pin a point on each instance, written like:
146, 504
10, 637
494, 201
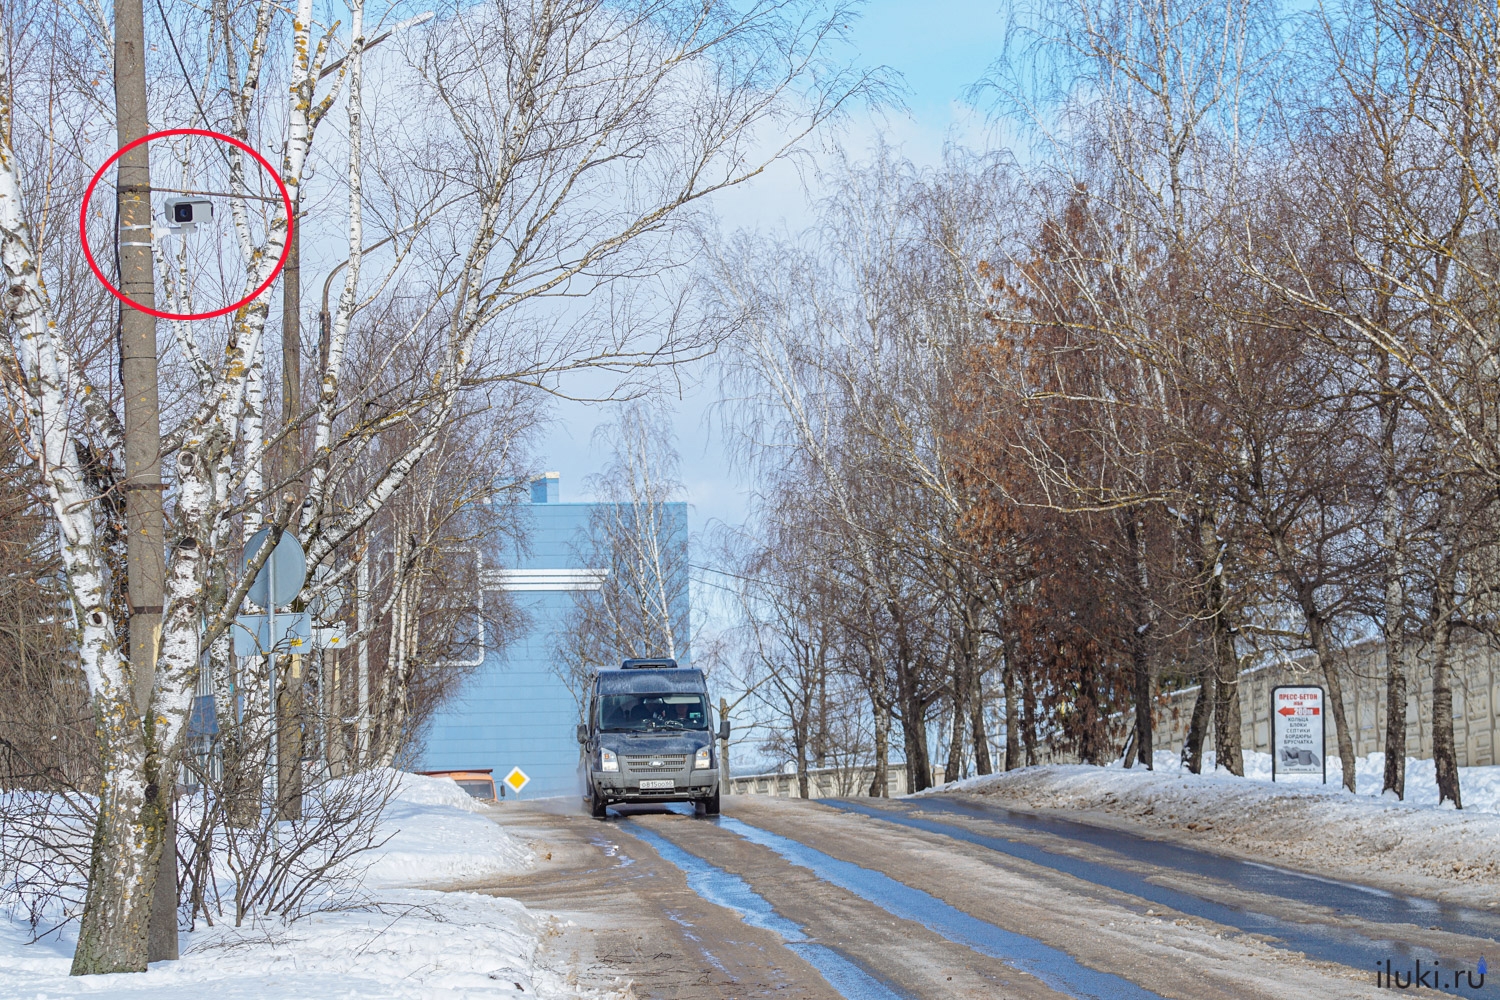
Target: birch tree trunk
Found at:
128, 835
1444, 608
1444, 753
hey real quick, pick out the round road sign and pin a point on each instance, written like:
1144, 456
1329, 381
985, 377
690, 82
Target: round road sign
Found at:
287, 564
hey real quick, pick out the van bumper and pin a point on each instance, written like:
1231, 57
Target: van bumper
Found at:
687, 786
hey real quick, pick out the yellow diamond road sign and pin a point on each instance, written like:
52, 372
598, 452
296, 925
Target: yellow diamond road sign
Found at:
516, 779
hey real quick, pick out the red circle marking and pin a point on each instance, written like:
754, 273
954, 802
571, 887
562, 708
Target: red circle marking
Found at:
83, 215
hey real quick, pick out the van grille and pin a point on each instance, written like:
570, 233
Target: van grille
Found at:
656, 763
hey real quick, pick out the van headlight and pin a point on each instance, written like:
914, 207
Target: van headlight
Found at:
608, 761
700, 759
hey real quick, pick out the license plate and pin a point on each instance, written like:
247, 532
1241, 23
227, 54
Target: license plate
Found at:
651, 783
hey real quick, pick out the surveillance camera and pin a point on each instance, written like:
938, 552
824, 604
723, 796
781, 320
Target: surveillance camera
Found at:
185, 214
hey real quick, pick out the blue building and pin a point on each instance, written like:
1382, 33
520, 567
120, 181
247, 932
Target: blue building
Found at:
515, 710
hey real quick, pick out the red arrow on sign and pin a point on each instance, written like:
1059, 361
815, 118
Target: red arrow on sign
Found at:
1289, 710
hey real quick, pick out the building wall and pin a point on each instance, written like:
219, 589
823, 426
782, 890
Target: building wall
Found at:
1476, 703
514, 710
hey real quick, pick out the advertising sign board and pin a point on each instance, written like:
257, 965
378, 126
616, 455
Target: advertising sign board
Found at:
1298, 737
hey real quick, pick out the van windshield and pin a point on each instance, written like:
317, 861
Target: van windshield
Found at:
643, 713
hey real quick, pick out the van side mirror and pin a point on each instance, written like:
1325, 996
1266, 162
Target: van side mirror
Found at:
583, 733
724, 729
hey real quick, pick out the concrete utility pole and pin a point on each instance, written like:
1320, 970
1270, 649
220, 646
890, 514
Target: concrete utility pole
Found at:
725, 707
723, 748
146, 547
289, 707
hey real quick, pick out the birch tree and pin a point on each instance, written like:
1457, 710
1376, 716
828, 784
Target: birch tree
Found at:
637, 535
572, 142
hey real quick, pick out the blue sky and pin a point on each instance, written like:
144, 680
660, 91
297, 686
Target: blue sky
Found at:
939, 50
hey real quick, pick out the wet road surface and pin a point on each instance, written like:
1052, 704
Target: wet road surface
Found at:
952, 897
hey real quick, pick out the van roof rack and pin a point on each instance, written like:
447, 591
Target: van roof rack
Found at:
659, 663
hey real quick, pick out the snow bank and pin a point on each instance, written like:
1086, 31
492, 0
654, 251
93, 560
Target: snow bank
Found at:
417, 944
438, 835
1413, 844
408, 942
1479, 786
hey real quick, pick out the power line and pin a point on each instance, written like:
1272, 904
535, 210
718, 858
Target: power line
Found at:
186, 79
716, 586
724, 572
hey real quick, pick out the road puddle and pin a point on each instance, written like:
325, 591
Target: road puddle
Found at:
1057, 969
721, 888
612, 850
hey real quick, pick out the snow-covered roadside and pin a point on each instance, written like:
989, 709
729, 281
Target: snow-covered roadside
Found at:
409, 943
441, 835
1412, 846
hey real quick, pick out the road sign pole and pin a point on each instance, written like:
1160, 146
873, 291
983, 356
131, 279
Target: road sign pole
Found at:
277, 582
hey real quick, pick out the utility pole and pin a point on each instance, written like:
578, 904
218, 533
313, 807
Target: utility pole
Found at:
288, 704
145, 547
723, 747
725, 707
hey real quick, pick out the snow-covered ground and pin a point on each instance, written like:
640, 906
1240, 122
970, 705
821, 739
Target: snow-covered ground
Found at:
407, 942
1413, 845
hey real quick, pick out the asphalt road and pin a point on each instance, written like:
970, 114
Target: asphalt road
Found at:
952, 897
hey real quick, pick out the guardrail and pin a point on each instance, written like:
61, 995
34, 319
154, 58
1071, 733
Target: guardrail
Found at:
824, 782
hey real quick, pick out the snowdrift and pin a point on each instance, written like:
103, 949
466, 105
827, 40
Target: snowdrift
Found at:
1411, 846
403, 942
